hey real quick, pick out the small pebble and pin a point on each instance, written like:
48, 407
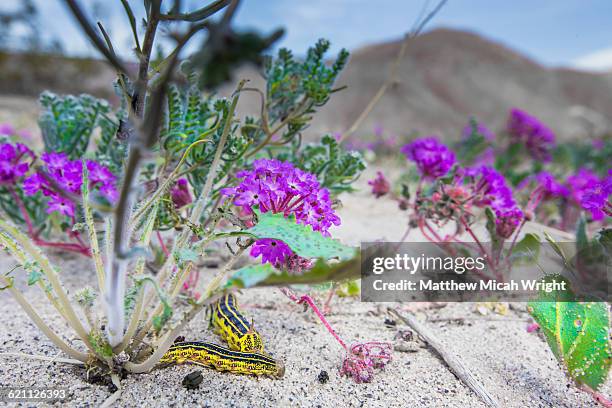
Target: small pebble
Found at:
323, 377
193, 380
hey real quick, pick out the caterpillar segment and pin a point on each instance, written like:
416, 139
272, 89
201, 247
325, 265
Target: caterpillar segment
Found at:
229, 322
223, 359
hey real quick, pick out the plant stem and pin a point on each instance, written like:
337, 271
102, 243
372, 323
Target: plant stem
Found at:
51, 275
91, 228
38, 321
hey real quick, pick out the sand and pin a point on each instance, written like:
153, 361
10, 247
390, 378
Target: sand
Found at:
515, 366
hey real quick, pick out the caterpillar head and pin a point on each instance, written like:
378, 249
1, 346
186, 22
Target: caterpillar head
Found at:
251, 342
280, 370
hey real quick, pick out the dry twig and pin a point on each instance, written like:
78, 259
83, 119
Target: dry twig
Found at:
453, 362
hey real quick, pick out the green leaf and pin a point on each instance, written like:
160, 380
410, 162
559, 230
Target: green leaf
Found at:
251, 275
351, 288
185, 255
526, 251
577, 333
300, 238
266, 275
557, 248
99, 344
34, 276
582, 240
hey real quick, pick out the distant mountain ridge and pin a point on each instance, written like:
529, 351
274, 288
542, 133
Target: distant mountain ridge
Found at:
448, 75
445, 77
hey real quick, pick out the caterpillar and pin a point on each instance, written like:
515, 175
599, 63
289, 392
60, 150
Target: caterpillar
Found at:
223, 359
233, 327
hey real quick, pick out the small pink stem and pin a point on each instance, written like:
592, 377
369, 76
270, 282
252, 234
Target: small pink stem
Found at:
161, 243
597, 396
23, 211
308, 300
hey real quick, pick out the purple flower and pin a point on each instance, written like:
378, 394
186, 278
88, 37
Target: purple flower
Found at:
55, 161
109, 191
506, 221
180, 193
99, 173
380, 185
7, 129
12, 166
580, 182
490, 188
536, 136
67, 176
550, 186
70, 178
595, 199
61, 205
433, 159
271, 250
33, 184
279, 187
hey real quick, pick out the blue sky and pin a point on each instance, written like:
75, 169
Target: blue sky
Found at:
574, 33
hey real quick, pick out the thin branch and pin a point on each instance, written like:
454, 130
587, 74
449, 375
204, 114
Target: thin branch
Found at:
93, 36
130, 14
196, 15
392, 73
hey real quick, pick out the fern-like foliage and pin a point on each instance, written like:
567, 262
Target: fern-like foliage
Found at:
67, 122
335, 168
192, 117
294, 88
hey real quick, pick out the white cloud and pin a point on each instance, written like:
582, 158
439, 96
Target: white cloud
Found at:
600, 60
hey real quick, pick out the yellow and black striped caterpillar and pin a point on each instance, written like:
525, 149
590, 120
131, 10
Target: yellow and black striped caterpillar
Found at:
233, 327
223, 359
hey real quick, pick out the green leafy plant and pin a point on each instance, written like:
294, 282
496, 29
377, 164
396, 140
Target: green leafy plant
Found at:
577, 333
172, 151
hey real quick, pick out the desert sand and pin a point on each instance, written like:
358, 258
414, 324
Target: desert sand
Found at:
515, 366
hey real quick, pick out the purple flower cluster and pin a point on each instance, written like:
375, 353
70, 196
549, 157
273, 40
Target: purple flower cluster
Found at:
536, 136
551, 188
63, 177
279, 187
433, 159
596, 199
580, 183
12, 162
491, 190
590, 192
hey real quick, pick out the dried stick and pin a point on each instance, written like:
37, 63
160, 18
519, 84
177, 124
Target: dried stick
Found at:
453, 362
